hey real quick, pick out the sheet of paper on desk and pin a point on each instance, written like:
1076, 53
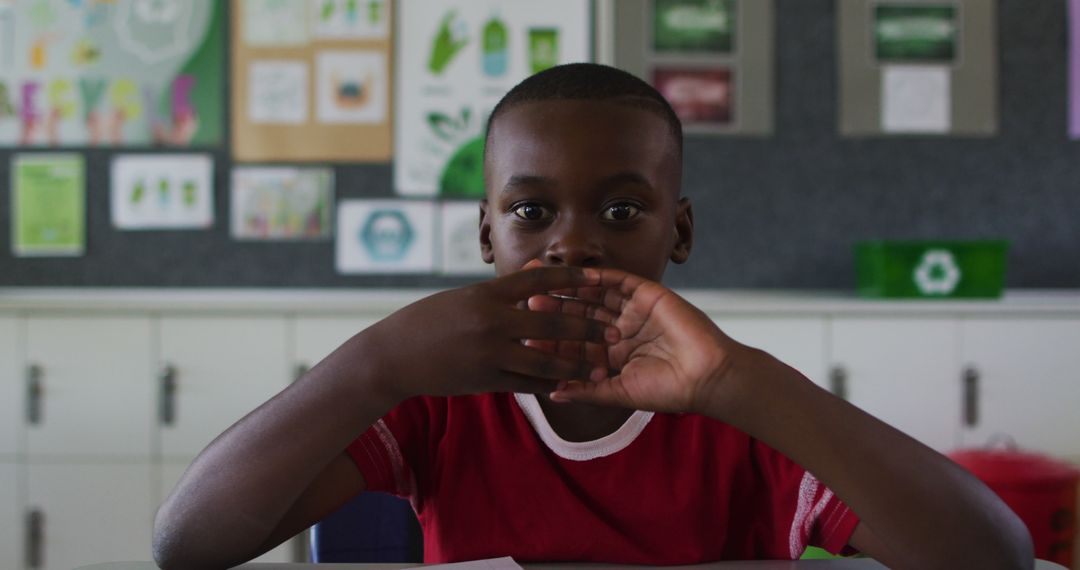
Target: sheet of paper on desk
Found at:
504, 563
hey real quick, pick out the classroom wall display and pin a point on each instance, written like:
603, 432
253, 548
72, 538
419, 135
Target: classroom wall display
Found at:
282, 203
385, 236
460, 228
311, 80
48, 205
457, 58
917, 67
162, 191
111, 73
711, 59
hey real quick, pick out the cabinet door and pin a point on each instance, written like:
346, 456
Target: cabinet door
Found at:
799, 342
11, 388
1027, 381
903, 371
287, 552
11, 517
90, 513
222, 368
317, 337
96, 386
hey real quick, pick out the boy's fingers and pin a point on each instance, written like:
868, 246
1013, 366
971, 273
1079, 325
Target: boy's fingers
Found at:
604, 392
557, 326
522, 384
549, 346
524, 284
551, 304
537, 364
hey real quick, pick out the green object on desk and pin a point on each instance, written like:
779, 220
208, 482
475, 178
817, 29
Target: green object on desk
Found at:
930, 269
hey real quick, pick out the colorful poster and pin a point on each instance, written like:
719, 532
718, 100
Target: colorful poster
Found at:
461, 240
458, 58
694, 26
312, 81
385, 236
48, 205
111, 72
282, 203
162, 191
701, 97
915, 33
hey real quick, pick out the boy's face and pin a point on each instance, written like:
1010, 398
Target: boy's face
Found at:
583, 183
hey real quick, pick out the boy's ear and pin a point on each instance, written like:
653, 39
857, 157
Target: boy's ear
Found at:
684, 231
485, 234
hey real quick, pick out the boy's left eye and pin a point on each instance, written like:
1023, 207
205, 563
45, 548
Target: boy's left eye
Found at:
621, 212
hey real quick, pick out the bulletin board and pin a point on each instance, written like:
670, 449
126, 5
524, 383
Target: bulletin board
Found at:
770, 212
712, 59
312, 80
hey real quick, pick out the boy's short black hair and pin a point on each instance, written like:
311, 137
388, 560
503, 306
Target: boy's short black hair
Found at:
591, 81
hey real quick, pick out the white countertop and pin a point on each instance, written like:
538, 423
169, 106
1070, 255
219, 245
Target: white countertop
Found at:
1041, 302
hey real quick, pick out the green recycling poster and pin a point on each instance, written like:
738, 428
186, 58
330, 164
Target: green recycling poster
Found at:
48, 204
456, 59
114, 73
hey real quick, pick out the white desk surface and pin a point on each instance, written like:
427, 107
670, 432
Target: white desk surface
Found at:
844, 564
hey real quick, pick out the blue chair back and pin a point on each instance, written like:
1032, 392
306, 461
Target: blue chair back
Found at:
373, 527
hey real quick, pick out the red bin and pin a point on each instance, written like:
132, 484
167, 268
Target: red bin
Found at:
1040, 489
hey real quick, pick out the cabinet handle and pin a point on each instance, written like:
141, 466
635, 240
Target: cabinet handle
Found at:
299, 371
35, 539
838, 382
971, 396
167, 404
35, 389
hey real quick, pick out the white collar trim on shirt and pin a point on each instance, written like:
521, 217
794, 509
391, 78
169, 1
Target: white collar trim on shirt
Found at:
581, 450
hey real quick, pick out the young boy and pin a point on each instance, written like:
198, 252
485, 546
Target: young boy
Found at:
577, 410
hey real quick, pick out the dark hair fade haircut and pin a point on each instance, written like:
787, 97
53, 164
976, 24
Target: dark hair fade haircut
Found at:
590, 81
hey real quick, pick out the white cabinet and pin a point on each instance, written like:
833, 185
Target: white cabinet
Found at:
90, 513
902, 370
317, 337
799, 341
1026, 376
95, 389
221, 369
10, 388
11, 517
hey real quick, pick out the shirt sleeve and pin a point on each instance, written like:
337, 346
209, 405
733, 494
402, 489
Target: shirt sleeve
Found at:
396, 448
806, 512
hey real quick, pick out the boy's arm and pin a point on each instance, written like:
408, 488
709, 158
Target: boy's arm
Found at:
281, 467
917, 508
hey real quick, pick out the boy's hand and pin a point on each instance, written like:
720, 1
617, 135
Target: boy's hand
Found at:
470, 340
671, 357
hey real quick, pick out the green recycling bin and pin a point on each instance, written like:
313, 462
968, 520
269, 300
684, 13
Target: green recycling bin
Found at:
930, 269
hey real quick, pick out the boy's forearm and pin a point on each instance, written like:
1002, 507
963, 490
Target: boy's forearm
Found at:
927, 511
238, 489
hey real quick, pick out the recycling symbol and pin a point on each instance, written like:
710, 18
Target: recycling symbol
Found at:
937, 272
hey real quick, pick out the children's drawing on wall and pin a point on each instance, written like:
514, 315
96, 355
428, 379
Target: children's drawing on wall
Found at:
282, 203
385, 236
699, 96
162, 191
278, 92
111, 72
349, 19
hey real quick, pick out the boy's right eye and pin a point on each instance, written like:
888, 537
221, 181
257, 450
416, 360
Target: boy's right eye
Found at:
531, 211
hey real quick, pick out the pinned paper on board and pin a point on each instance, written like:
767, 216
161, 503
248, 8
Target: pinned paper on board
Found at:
282, 203
278, 92
48, 205
698, 96
275, 23
385, 236
694, 26
351, 86
162, 191
461, 240
111, 73
915, 99
915, 33
457, 58
349, 19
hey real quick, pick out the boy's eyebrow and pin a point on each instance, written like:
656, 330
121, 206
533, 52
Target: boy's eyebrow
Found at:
528, 180
617, 179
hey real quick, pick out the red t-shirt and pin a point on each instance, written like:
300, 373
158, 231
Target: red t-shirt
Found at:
488, 477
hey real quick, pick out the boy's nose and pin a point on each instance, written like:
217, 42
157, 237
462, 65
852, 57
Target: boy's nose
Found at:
573, 248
